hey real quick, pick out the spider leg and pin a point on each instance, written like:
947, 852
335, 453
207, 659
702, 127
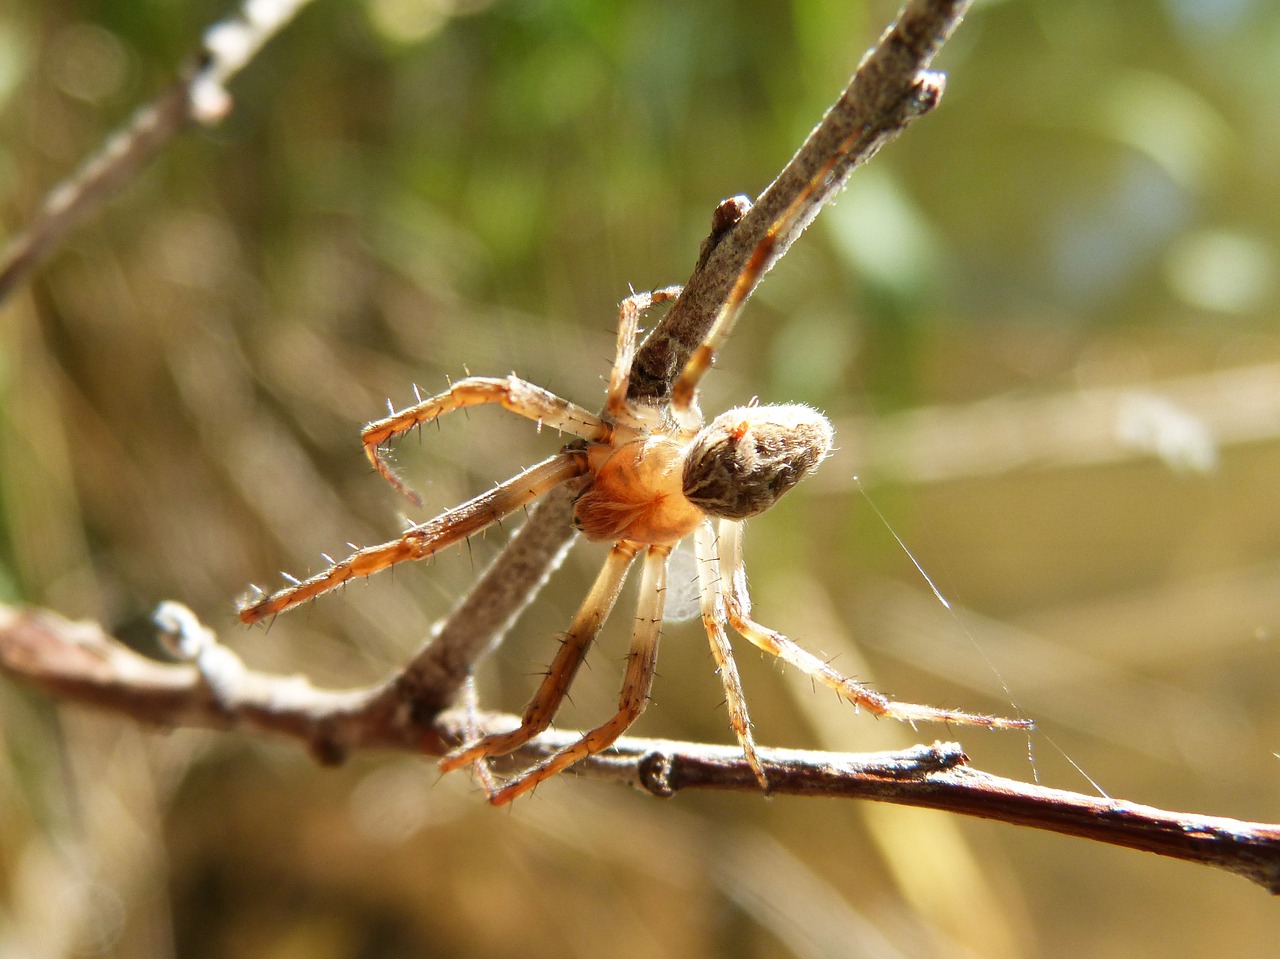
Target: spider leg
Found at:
629, 312
514, 394
426, 539
555, 685
761, 258
636, 683
714, 618
774, 643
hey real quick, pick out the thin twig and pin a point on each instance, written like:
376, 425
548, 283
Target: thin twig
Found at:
199, 96
431, 680
891, 87
213, 689
80, 663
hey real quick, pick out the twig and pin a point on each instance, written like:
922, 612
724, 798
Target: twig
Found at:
79, 662
891, 87
200, 96
430, 681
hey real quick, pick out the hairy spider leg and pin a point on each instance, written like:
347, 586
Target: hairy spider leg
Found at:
686, 384
514, 394
714, 618
629, 312
636, 683
739, 609
551, 692
426, 539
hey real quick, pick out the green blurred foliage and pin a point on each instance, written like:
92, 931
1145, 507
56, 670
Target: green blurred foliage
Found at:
410, 188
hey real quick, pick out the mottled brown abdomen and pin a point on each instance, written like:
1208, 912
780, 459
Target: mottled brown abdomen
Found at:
746, 458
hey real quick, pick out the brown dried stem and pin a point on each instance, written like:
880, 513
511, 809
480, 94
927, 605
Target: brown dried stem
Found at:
891, 87
80, 663
198, 97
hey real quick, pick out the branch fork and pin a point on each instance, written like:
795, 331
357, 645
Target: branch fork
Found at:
210, 687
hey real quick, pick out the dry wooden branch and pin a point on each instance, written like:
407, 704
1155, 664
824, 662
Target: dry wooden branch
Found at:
199, 96
80, 663
891, 87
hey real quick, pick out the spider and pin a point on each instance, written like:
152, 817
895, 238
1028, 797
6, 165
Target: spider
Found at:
649, 474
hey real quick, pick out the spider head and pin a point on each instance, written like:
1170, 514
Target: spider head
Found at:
742, 462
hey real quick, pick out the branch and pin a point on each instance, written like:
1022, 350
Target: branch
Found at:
431, 680
891, 87
200, 96
213, 689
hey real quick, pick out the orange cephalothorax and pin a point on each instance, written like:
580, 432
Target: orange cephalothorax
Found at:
636, 494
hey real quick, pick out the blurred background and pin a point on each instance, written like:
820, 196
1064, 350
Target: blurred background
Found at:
1044, 325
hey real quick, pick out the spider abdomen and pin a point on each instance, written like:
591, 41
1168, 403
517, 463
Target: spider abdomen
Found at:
635, 494
742, 462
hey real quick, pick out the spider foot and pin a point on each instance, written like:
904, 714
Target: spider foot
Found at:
498, 793
913, 713
378, 457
